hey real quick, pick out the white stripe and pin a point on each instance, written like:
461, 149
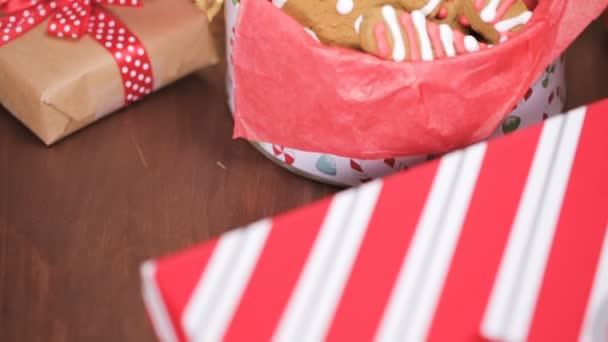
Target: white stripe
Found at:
430, 7
415, 261
497, 312
390, 17
295, 313
427, 297
212, 285
358, 23
519, 278
155, 304
447, 39
595, 324
509, 24
544, 226
312, 34
199, 306
488, 14
229, 294
314, 302
471, 44
426, 49
341, 264
279, 3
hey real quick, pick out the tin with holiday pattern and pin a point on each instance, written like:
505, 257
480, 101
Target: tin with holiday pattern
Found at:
545, 98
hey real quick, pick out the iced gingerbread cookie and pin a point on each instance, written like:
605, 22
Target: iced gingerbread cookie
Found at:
495, 20
397, 35
334, 22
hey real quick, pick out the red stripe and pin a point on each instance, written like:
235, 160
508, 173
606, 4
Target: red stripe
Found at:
459, 43
484, 236
177, 276
276, 274
381, 255
435, 36
580, 233
412, 38
381, 41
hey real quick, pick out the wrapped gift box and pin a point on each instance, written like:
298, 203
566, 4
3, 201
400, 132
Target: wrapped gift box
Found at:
503, 241
56, 83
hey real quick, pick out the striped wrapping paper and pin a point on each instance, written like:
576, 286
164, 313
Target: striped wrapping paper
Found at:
502, 241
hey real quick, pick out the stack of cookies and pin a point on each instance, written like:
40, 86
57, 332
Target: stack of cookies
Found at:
410, 30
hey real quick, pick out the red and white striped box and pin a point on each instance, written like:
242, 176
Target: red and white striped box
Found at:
482, 244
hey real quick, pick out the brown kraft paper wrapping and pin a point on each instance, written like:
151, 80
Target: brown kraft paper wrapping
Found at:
57, 86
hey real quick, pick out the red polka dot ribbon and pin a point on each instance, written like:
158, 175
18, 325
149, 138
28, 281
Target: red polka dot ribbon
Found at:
72, 19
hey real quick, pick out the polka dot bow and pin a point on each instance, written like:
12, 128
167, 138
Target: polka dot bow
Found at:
73, 19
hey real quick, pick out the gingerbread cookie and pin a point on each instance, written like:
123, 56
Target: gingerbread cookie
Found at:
495, 20
334, 22
397, 35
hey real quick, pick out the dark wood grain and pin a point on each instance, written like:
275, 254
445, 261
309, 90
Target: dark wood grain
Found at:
77, 219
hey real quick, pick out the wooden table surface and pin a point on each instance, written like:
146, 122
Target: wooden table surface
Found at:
77, 219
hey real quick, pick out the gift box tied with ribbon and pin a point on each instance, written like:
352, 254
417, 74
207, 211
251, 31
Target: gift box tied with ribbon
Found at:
71, 36
73, 19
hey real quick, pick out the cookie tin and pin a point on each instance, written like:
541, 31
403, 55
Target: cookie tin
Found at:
545, 98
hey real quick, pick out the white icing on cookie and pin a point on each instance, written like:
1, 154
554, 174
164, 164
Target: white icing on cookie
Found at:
509, 24
312, 34
345, 6
488, 14
390, 17
279, 3
447, 39
426, 49
471, 44
430, 7
358, 23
